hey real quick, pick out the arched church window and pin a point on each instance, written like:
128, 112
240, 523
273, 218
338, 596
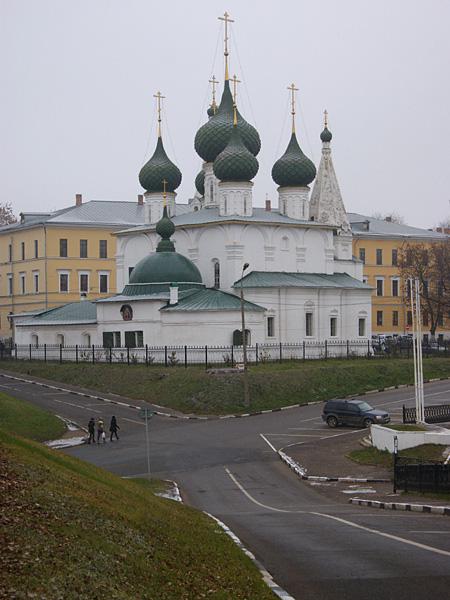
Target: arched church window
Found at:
237, 337
211, 191
285, 243
60, 339
34, 340
216, 266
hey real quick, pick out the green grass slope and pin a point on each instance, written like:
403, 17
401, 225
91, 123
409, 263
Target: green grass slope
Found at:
23, 418
272, 385
70, 530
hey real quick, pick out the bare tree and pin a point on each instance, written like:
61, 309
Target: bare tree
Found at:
6, 214
430, 264
392, 217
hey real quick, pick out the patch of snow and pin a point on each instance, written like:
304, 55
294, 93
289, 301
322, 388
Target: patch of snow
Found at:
356, 490
172, 494
65, 443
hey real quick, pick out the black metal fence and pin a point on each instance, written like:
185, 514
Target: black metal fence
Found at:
440, 413
412, 474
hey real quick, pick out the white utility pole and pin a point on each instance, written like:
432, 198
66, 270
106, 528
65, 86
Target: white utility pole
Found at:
417, 349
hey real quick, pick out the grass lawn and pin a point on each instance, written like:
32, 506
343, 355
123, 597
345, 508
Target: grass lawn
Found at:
272, 385
383, 458
28, 420
71, 530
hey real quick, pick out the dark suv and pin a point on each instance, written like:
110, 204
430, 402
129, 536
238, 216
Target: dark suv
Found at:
352, 412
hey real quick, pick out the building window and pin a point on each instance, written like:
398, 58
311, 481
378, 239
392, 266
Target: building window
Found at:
86, 339
309, 324
379, 254
103, 249
22, 283
408, 289
60, 339
333, 326
395, 287
83, 248
380, 287
285, 243
425, 319
22, 250
36, 249
394, 257
10, 284
36, 282
134, 339
34, 340
111, 339
237, 337
362, 255
84, 283
379, 317
409, 318
365, 279
440, 320
216, 274
270, 326
395, 318
63, 248
361, 327
10, 253
63, 282
103, 283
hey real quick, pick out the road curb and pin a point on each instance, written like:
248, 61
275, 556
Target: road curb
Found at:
301, 472
423, 508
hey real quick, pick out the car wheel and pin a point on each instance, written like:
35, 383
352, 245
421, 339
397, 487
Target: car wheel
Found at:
367, 423
332, 422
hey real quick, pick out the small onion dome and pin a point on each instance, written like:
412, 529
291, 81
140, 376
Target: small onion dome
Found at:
293, 169
200, 183
211, 111
165, 228
235, 162
326, 135
159, 167
213, 136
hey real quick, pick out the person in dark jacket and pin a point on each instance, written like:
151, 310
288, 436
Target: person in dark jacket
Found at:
113, 427
91, 430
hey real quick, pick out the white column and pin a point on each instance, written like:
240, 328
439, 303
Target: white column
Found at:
294, 202
211, 187
154, 206
235, 198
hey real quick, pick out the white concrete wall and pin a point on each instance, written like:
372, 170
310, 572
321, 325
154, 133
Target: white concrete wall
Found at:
383, 438
48, 334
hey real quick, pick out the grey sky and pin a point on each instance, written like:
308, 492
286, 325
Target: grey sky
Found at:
78, 78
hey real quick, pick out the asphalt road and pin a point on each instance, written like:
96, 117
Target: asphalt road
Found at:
313, 546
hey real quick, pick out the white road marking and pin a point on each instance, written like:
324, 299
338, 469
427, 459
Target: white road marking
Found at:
293, 434
132, 421
77, 405
244, 491
267, 442
426, 531
383, 534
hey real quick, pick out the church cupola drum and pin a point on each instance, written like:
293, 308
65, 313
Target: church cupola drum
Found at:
159, 175
293, 172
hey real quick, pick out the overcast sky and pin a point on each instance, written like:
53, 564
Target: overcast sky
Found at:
78, 114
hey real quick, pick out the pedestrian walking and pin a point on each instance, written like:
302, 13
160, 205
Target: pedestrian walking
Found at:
91, 430
113, 427
100, 431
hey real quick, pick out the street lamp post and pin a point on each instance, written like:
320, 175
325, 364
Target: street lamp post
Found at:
244, 342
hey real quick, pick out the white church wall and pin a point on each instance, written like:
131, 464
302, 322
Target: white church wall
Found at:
146, 318
130, 250
53, 335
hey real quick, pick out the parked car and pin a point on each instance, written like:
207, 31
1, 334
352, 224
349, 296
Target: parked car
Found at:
353, 412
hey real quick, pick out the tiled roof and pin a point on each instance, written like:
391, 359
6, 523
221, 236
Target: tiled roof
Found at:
263, 279
380, 227
210, 299
68, 314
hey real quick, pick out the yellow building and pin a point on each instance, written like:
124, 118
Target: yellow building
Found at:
378, 243
50, 259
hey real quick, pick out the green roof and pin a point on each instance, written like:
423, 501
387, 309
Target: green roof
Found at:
235, 162
293, 169
200, 183
211, 299
68, 314
326, 135
263, 279
157, 169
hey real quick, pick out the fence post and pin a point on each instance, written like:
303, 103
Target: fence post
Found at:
281, 352
30, 351
110, 354
326, 349
146, 355
15, 351
232, 355
185, 357
60, 354
93, 354
206, 357
256, 353
368, 348
76, 353
348, 349
45, 353
128, 355
395, 462
304, 350
165, 356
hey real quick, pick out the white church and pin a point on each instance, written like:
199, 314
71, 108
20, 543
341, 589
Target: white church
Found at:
183, 270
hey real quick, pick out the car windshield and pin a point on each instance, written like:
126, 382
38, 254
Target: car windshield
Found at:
364, 406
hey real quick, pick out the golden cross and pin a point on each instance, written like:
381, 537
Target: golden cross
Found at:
293, 89
159, 97
164, 182
214, 82
235, 81
325, 119
226, 19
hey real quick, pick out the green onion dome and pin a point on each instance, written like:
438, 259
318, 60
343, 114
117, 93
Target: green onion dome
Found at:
200, 183
293, 169
235, 162
211, 111
165, 266
159, 167
213, 136
326, 135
